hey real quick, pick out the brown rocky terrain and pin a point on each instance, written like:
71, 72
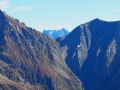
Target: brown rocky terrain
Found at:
31, 61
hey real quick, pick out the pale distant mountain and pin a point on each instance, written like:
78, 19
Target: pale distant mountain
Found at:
54, 34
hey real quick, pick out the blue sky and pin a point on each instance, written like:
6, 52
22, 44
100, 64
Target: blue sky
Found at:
56, 14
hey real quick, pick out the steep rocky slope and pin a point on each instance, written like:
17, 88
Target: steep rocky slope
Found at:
30, 58
6, 84
93, 54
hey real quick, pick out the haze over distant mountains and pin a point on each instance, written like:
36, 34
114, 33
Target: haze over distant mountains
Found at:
88, 58
54, 34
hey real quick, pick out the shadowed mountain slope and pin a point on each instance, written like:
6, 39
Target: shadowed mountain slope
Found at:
93, 54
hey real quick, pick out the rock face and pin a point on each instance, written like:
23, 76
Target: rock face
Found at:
6, 84
54, 34
93, 54
30, 60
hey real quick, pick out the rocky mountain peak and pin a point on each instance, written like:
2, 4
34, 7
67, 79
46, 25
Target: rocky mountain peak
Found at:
31, 59
93, 49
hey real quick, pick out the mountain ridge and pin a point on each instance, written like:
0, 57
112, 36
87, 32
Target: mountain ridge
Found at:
93, 49
86, 59
29, 57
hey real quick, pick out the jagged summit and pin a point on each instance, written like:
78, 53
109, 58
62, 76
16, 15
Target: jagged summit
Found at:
96, 19
1, 12
7, 20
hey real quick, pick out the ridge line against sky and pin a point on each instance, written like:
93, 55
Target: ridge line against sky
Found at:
53, 14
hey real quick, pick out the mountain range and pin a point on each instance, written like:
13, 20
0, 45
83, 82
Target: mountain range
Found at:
85, 59
54, 34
